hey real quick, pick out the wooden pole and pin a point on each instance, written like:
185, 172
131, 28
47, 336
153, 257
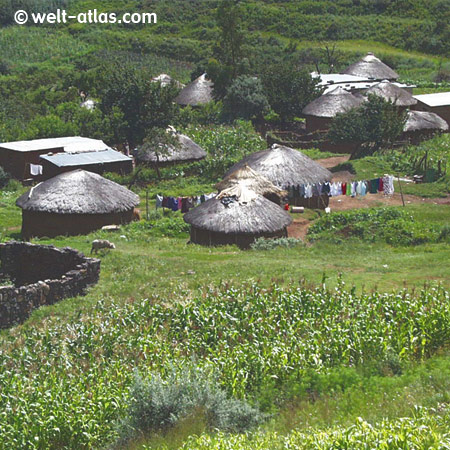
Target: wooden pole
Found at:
146, 203
401, 190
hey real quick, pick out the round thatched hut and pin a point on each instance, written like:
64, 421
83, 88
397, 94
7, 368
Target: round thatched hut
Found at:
237, 216
422, 125
285, 166
198, 92
393, 93
76, 202
186, 151
371, 67
321, 111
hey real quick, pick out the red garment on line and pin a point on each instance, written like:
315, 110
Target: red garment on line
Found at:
344, 188
380, 185
286, 207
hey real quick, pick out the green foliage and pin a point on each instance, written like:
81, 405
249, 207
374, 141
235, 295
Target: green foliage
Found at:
376, 123
426, 429
143, 104
157, 404
270, 244
391, 225
245, 99
66, 383
288, 89
4, 178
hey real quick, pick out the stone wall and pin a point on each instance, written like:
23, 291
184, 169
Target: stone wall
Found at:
41, 275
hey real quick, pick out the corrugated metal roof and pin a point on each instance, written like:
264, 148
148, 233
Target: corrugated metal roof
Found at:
338, 78
85, 158
69, 144
361, 86
438, 99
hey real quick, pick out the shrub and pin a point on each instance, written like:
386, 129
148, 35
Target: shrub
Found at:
245, 98
270, 244
5, 177
157, 404
391, 225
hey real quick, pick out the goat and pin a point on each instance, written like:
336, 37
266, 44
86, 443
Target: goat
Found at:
99, 244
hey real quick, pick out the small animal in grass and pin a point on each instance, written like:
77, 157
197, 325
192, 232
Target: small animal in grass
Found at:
99, 244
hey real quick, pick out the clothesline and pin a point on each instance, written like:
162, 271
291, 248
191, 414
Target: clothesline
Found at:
184, 204
383, 184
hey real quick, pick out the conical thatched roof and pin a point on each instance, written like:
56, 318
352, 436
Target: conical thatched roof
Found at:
284, 166
165, 80
328, 105
78, 192
393, 93
371, 67
256, 216
197, 92
245, 178
187, 150
422, 120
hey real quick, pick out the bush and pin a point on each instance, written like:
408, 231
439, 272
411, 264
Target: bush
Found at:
157, 404
270, 244
391, 225
5, 177
245, 98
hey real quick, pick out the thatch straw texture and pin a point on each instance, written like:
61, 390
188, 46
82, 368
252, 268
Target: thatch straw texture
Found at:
255, 217
392, 93
284, 166
245, 178
78, 192
422, 120
328, 105
371, 67
197, 92
187, 150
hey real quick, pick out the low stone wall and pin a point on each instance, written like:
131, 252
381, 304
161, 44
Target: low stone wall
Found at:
41, 275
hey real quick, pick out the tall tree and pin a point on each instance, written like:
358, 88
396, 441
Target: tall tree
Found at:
228, 62
289, 89
143, 104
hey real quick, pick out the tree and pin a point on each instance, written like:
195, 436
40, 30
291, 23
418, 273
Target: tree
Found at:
245, 98
376, 123
143, 104
289, 89
228, 61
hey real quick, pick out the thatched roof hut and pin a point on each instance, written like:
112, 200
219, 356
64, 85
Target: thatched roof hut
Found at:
237, 218
392, 93
186, 151
423, 120
320, 112
371, 67
328, 105
198, 92
75, 202
285, 166
422, 124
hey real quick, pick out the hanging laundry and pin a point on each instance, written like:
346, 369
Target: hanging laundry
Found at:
380, 185
344, 188
373, 188
388, 184
159, 201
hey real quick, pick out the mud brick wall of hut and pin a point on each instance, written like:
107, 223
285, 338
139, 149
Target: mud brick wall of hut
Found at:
41, 275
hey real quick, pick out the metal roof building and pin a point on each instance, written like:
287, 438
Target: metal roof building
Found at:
438, 103
101, 161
